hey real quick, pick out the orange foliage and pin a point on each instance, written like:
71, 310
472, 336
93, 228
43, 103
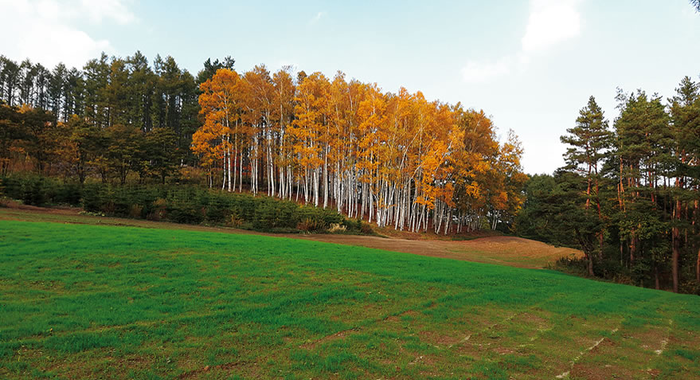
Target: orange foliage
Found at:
391, 158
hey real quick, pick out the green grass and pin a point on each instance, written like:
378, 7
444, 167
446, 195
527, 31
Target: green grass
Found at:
83, 301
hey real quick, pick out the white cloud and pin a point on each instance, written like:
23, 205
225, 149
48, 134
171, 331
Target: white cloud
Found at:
117, 10
46, 31
316, 18
551, 22
51, 44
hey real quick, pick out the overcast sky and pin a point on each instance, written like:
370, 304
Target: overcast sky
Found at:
530, 64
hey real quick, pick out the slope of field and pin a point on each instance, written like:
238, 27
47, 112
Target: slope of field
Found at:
83, 301
504, 250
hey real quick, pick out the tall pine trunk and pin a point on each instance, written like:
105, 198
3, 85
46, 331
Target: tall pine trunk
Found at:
676, 243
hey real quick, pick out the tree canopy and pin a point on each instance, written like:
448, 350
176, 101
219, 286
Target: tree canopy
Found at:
628, 196
394, 159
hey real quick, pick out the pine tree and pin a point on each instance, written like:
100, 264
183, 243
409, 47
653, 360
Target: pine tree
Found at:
588, 142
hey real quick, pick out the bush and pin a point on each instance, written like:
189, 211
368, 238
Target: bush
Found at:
158, 211
309, 225
135, 211
187, 204
366, 228
337, 228
67, 194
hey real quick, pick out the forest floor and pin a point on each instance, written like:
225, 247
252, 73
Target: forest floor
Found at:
81, 300
503, 250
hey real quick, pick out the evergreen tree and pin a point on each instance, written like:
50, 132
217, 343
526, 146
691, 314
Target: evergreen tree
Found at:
210, 68
685, 116
141, 87
96, 73
162, 153
10, 76
84, 144
124, 149
588, 143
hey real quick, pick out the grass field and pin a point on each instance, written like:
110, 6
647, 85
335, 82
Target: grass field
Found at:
84, 301
502, 250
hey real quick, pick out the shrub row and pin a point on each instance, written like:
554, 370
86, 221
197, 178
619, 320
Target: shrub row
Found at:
178, 203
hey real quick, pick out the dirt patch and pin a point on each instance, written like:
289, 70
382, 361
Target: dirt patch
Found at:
329, 338
397, 318
653, 373
604, 372
533, 319
10, 204
504, 350
136, 362
506, 250
604, 345
651, 340
475, 351
438, 339
220, 367
101, 359
423, 360
591, 372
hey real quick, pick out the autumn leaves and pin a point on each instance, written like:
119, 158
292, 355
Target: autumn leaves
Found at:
394, 159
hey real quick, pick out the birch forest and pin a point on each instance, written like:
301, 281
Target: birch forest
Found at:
396, 160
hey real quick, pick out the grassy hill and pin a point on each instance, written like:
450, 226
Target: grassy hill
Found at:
83, 301
494, 249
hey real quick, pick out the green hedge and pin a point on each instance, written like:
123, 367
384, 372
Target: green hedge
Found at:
177, 203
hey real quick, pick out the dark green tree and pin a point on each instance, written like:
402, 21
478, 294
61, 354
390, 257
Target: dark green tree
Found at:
56, 89
27, 77
10, 80
162, 153
189, 115
39, 125
13, 136
588, 143
117, 93
560, 209
142, 82
210, 68
84, 144
535, 218
74, 87
124, 149
96, 73
644, 147
43, 79
685, 117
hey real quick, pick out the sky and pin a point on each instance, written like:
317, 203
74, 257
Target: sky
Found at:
529, 64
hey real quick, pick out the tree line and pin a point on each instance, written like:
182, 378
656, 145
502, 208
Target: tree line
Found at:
112, 119
628, 195
393, 159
